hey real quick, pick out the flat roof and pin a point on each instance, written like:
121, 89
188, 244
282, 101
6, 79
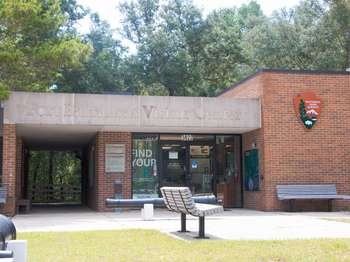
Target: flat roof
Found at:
63, 119
285, 71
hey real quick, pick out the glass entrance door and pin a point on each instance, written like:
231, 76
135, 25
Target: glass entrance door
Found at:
201, 175
174, 165
228, 170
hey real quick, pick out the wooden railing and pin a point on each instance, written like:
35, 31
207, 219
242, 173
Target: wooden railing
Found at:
56, 194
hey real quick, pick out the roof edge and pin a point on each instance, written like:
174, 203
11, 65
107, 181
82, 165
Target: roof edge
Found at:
285, 71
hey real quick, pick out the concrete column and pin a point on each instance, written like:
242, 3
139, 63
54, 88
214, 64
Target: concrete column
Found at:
9, 167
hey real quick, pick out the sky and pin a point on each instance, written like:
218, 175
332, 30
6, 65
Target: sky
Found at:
108, 11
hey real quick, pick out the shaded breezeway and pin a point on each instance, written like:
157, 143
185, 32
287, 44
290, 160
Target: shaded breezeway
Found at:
237, 224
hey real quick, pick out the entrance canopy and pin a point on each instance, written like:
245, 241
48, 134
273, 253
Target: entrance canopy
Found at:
72, 119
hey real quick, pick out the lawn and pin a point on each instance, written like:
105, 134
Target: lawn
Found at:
344, 220
150, 245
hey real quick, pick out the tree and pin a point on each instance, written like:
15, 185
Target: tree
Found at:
310, 36
33, 47
103, 70
167, 37
73, 13
339, 19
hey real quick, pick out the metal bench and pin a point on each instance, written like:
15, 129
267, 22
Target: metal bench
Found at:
292, 193
179, 199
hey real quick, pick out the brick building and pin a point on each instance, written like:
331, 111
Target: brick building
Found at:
239, 145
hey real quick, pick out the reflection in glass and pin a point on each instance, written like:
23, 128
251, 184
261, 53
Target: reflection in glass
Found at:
200, 169
174, 165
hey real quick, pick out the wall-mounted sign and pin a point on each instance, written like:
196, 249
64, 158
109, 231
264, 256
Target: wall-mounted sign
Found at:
173, 155
115, 158
194, 164
307, 108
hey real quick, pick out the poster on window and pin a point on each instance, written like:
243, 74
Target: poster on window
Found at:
144, 166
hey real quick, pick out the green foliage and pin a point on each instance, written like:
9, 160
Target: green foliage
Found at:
305, 37
178, 50
167, 37
103, 70
223, 54
33, 47
58, 168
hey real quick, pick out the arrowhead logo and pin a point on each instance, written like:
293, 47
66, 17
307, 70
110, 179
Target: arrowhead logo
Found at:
307, 108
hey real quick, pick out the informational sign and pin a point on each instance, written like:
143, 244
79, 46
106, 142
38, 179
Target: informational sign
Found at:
173, 155
307, 107
199, 150
115, 158
194, 164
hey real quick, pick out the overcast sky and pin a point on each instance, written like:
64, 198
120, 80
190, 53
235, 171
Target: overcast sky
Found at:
108, 11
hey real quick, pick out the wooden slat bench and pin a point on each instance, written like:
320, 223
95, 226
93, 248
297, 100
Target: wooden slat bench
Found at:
291, 193
179, 199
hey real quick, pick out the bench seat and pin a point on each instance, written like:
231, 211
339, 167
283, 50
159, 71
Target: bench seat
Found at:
317, 192
310, 197
207, 210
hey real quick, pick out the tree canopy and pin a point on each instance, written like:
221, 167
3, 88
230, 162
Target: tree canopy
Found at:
177, 49
34, 46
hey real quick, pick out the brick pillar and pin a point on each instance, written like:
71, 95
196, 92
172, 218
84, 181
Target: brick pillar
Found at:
19, 168
105, 181
9, 167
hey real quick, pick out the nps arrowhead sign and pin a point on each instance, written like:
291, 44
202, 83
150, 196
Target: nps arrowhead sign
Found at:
307, 107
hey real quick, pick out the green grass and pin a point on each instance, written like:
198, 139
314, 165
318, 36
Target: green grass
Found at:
150, 245
345, 220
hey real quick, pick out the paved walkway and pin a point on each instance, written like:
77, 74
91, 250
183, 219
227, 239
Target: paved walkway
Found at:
234, 224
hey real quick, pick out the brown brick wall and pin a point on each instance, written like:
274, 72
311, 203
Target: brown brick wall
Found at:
19, 168
105, 181
290, 153
91, 187
9, 167
252, 88
297, 155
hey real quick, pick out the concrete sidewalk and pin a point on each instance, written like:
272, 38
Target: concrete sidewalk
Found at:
236, 224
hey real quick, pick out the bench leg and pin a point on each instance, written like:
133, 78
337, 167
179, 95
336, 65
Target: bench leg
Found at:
291, 205
183, 223
330, 205
201, 233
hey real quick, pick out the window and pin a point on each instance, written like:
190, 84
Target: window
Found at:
115, 158
144, 166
